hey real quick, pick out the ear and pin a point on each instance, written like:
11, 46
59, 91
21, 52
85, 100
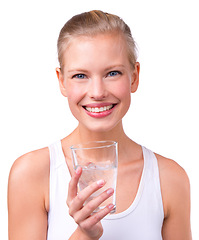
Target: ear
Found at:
61, 82
135, 77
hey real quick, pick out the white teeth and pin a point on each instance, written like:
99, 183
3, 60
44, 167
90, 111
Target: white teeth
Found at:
101, 109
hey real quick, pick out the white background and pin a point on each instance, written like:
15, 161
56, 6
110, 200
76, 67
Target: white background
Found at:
164, 113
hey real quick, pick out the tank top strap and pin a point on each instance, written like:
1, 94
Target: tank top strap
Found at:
56, 154
153, 173
151, 162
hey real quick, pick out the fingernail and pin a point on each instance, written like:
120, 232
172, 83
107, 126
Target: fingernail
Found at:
78, 170
100, 182
110, 191
111, 206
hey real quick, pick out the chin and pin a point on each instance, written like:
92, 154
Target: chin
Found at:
101, 128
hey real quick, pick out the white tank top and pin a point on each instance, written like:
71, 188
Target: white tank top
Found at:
141, 221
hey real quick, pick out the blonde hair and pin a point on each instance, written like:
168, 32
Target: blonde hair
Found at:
93, 23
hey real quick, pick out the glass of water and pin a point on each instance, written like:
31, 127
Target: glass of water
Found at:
98, 160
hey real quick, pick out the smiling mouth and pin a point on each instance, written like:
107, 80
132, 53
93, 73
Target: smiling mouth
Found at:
99, 109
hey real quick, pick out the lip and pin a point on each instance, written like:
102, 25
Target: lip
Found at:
93, 105
99, 105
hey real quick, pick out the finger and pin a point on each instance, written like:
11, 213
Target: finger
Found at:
92, 205
83, 195
97, 217
72, 188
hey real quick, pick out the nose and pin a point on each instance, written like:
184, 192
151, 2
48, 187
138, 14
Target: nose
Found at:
97, 89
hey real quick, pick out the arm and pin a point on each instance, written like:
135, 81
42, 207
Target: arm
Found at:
176, 199
27, 197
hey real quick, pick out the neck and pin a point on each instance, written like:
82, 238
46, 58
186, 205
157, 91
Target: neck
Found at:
125, 144
82, 135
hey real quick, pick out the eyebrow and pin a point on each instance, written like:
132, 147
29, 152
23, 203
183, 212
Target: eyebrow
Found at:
77, 70
115, 66
106, 69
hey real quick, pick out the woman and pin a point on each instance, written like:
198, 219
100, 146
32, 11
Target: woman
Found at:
98, 72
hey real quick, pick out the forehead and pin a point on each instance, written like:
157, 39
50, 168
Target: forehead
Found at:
96, 50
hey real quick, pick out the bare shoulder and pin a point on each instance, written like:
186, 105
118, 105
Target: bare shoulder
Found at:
32, 163
30, 172
169, 166
173, 176
175, 187
28, 196
31, 167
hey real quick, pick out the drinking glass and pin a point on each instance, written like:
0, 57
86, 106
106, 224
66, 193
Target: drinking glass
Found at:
98, 160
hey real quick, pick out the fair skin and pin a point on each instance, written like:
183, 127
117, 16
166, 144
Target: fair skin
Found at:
96, 73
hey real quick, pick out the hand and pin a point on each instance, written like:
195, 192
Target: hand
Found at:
88, 222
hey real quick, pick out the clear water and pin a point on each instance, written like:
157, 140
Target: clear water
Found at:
92, 173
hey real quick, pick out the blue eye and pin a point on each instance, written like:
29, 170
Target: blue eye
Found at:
113, 73
80, 76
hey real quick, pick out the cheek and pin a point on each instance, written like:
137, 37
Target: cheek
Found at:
124, 95
123, 90
74, 93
